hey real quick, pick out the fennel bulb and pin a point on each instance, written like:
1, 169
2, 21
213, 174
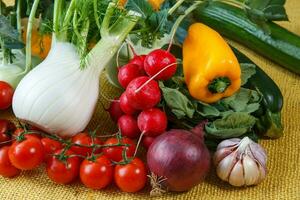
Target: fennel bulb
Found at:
60, 94
57, 96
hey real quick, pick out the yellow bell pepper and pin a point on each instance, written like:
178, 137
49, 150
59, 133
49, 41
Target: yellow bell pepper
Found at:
154, 3
211, 70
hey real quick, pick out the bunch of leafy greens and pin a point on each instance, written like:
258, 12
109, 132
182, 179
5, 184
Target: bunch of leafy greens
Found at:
229, 117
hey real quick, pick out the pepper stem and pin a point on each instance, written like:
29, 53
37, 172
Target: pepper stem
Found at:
219, 85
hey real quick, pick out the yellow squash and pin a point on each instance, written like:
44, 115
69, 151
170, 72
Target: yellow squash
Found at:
211, 69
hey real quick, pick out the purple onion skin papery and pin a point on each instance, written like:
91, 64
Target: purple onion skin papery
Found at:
180, 157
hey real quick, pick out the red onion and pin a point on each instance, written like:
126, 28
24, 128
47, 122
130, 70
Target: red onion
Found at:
179, 158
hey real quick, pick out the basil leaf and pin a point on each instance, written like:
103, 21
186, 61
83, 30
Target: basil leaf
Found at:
248, 70
233, 125
179, 104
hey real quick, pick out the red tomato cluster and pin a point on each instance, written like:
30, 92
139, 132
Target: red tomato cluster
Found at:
84, 156
135, 112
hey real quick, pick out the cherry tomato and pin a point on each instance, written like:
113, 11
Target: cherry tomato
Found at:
98, 174
131, 177
6, 168
27, 154
115, 153
63, 171
6, 94
19, 131
84, 139
50, 147
6, 130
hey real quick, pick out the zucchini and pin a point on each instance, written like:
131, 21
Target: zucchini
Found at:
281, 46
269, 118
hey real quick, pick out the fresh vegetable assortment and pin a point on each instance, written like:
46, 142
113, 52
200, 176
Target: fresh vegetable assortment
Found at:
189, 100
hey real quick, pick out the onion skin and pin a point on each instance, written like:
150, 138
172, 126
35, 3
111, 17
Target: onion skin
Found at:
180, 157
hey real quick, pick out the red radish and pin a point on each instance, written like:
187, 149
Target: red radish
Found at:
180, 157
125, 105
143, 93
139, 61
127, 73
128, 126
115, 110
152, 122
147, 141
162, 63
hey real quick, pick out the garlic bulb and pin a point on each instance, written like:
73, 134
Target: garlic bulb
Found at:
240, 162
57, 96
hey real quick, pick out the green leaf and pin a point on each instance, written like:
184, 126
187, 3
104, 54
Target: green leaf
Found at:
244, 100
233, 125
141, 6
261, 11
248, 70
179, 104
9, 34
159, 19
207, 110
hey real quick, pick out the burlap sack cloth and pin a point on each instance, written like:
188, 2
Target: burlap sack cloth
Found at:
282, 182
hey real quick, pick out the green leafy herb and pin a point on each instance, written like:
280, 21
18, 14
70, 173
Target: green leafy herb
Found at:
248, 70
152, 26
179, 104
233, 125
243, 101
207, 110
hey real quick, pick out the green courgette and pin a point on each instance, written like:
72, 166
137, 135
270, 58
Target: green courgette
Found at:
281, 46
269, 118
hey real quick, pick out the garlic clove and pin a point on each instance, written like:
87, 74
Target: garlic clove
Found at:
225, 166
236, 177
251, 170
228, 143
221, 154
262, 174
258, 153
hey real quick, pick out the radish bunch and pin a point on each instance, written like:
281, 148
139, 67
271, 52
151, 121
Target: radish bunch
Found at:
136, 111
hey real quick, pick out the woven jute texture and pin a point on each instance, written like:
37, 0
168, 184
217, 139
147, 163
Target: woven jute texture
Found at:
282, 182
